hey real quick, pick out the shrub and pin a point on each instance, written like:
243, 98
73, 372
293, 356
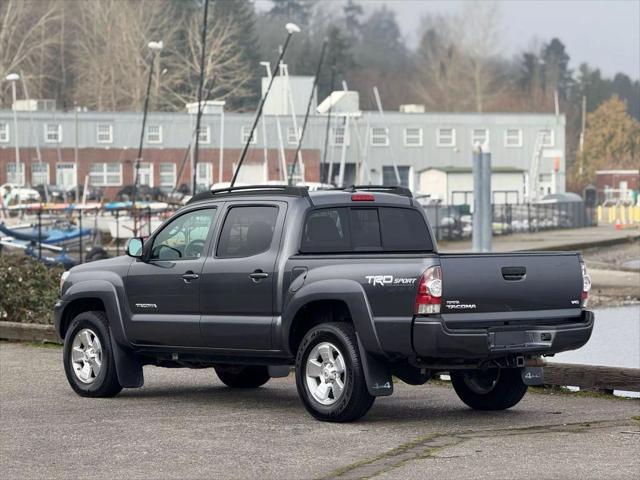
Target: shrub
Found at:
28, 289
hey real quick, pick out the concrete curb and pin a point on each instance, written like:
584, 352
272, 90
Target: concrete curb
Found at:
588, 244
28, 332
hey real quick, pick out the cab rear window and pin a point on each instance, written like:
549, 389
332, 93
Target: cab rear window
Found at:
376, 229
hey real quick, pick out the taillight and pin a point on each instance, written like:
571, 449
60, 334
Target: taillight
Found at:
362, 197
429, 294
586, 284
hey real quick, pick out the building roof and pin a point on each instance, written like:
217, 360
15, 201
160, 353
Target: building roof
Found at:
452, 169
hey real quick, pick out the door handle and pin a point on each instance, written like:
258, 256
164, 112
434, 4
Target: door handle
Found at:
189, 275
513, 273
258, 275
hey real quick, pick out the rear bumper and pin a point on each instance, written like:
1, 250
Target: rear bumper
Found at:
432, 339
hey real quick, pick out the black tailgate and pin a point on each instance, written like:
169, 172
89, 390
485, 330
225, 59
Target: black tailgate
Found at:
505, 287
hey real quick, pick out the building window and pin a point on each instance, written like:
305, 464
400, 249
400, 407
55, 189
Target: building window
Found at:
339, 137
168, 175
446, 137
154, 134
145, 173
12, 177
205, 135
66, 175
244, 135
479, 135
513, 137
379, 137
389, 176
4, 133
53, 133
548, 137
203, 175
292, 136
39, 173
104, 133
106, 174
413, 137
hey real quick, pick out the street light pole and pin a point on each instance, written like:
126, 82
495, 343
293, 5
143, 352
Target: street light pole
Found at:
13, 78
154, 47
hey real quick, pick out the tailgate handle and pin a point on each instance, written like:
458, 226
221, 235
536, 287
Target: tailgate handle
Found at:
513, 273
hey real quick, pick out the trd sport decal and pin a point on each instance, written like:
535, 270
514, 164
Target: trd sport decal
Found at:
382, 280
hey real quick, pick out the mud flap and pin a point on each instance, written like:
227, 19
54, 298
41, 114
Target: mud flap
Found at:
533, 375
279, 371
128, 367
376, 373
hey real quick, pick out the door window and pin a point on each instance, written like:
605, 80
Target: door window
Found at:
185, 237
247, 231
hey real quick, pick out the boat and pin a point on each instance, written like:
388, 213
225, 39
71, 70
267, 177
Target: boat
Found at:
60, 234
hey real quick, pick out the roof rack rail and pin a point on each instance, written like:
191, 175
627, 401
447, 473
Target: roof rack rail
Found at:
251, 190
398, 190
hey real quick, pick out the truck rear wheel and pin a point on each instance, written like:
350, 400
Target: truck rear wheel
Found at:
252, 376
329, 376
88, 357
491, 389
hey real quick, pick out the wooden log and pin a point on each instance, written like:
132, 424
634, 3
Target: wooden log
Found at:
592, 377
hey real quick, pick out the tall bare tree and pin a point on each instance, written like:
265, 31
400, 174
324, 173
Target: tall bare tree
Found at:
111, 57
439, 63
479, 37
226, 71
29, 42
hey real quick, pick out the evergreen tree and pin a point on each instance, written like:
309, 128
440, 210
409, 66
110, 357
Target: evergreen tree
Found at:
242, 12
382, 45
555, 68
352, 14
296, 11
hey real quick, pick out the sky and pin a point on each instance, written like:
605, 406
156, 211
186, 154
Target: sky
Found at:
603, 33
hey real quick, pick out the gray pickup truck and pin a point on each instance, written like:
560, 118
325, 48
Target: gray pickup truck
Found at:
345, 284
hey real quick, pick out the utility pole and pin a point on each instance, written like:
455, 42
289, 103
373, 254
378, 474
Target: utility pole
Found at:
75, 149
482, 212
154, 47
291, 29
203, 42
13, 78
306, 117
582, 129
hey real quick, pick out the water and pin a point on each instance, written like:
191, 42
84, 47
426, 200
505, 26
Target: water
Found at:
615, 342
635, 264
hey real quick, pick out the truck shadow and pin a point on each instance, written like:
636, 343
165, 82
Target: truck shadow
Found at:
282, 399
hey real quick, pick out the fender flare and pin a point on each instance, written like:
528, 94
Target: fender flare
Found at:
128, 368
376, 371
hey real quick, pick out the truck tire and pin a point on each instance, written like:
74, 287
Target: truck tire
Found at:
253, 376
493, 389
329, 376
88, 356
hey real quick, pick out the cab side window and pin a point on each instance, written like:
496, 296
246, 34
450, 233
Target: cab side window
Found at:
185, 237
247, 231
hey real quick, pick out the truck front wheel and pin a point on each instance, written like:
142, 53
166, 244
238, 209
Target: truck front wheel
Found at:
329, 376
490, 389
88, 356
252, 376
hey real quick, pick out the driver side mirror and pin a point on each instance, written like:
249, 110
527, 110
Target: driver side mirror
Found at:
134, 247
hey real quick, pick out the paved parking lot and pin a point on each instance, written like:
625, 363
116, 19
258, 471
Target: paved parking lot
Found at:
186, 424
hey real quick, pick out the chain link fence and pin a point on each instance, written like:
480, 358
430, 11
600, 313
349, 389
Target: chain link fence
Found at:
455, 222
